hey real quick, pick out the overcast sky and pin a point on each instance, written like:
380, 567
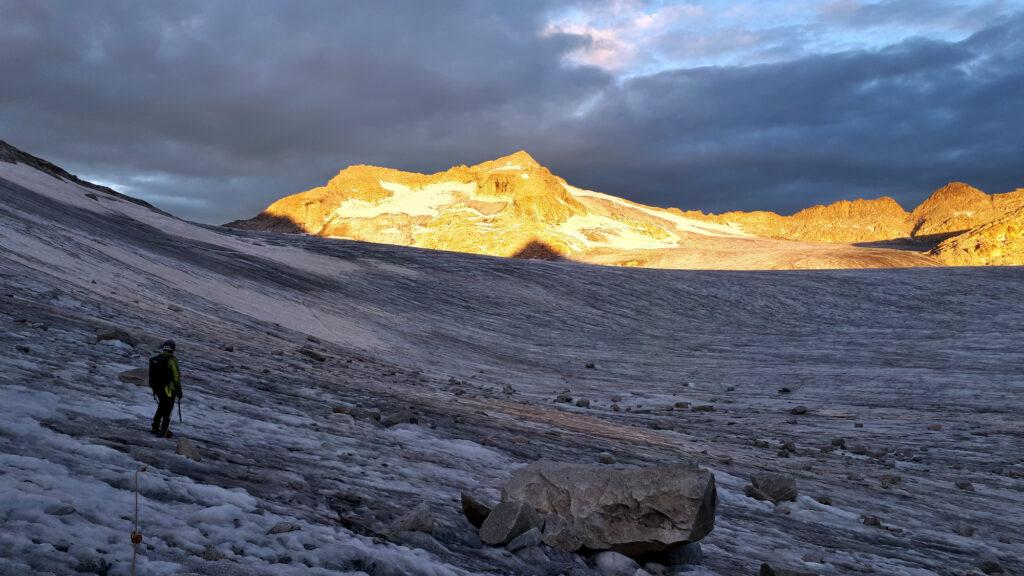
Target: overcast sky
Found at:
211, 110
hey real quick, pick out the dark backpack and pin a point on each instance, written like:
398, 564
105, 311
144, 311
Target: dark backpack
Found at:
159, 374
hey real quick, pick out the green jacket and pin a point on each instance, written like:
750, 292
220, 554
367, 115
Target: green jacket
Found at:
173, 387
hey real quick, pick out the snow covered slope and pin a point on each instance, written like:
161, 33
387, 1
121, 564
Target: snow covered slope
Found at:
462, 356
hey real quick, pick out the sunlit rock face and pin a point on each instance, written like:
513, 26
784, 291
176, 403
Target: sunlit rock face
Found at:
997, 243
957, 208
514, 207
505, 207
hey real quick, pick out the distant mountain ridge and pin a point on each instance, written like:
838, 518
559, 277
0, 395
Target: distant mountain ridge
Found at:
514, 206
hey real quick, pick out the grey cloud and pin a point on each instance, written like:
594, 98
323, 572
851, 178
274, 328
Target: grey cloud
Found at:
859, 14
900, 121
214, 109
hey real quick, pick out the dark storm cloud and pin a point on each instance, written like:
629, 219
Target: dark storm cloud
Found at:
900, 121
214, 109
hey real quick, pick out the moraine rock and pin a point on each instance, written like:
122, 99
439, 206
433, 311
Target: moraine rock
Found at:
769, 570
283, 528
772, 487
419, 519
560, 535
606, 458
313, 354
474, 509
611, 563
632, 510
508, 520
528, 539
116, 334
136, 376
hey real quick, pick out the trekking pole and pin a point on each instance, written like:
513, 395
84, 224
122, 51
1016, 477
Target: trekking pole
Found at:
179, 411
136, 535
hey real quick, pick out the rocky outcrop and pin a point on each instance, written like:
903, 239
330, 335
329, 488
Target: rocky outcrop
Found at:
957, 207
629, 510
844, 221
997, 243
515, 207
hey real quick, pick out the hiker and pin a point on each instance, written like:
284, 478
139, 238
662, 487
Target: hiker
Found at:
165, 381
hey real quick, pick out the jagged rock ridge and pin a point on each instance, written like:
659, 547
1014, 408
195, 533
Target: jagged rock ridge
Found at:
514, 206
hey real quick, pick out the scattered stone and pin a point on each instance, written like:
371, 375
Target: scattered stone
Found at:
798, 410
283, 528
507, 521
632, 510
583, 403
606, 458
188, 449
228, 348
419, 519
762, 444
703, 408
211, 554
399, 417
989, 564
60, 510
788, 447
528, 539
23, 348
474, 509
769, 570
858, 424
615, 408
784, 390
935, 427
136, 376
872, 521
105, 334
890, 480
616, 398
591, 366
610, 563
839, 443
681, 405
964, 529
312, 339
824, 500
564, 397
174, 308
92, 196
965, 486
310, 353
772, 487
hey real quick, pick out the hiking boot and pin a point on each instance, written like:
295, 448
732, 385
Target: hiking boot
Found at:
167, 434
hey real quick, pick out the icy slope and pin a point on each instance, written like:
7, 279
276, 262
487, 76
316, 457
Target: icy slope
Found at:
891, 351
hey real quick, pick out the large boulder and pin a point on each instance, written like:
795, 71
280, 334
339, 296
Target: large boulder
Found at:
629, 510
507, 521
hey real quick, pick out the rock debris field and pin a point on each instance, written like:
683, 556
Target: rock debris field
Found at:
341, 397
